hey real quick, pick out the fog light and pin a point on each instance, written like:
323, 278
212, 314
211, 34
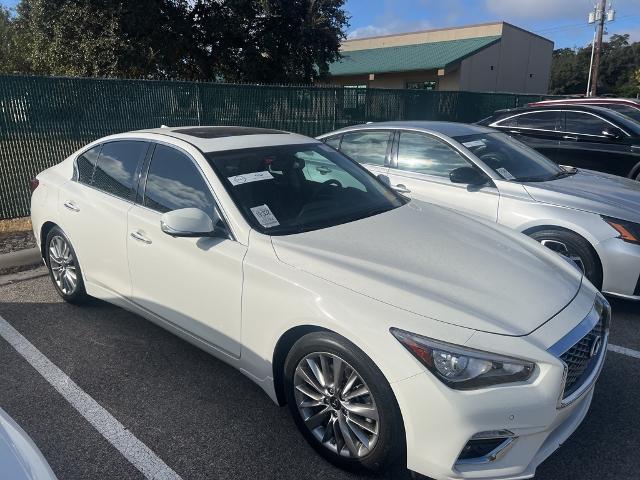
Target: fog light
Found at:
486, 446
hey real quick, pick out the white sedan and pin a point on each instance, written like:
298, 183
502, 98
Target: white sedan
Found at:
392, 329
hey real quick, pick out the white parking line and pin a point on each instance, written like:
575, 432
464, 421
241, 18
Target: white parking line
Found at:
624, 351
140, 456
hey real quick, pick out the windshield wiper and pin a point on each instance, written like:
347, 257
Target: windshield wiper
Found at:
564, 173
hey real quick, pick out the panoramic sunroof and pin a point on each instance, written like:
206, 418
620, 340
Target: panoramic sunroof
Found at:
219, 132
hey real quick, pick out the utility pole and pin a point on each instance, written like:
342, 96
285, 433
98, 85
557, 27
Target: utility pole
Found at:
599, 16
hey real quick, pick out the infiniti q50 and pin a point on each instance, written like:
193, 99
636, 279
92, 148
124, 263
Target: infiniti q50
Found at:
394, 330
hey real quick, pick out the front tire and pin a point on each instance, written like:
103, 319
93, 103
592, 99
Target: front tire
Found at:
342, 403
64, 268
574, 247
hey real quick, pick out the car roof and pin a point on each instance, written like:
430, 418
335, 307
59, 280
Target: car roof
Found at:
450, 129
588, 100
580, 108
218, 138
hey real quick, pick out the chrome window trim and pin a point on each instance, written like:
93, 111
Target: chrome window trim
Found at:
573, 337
497, 123
217, 205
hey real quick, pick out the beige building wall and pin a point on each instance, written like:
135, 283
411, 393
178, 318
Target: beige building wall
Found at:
413, 38
519, 63
386, 80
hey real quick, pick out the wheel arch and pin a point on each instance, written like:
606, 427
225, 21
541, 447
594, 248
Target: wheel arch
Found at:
538, 228
635, 171
44, 231
281, 350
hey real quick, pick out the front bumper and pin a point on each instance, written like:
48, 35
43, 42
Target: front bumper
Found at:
439, 421
621, 268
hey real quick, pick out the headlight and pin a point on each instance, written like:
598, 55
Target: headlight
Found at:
629, 231
463, 368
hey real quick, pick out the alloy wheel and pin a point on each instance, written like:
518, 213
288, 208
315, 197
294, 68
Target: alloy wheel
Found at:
562, 248
336, 405
63, 265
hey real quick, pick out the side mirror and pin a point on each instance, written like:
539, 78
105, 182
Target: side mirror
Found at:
613, 133
188, 222
468, 176
384, 179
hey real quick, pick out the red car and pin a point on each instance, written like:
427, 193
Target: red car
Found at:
627, 106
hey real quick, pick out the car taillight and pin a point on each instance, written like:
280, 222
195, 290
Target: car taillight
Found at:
33, 184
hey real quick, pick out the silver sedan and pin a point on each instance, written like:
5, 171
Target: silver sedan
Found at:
589, 217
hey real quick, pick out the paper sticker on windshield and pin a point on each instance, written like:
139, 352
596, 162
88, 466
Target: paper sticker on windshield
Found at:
475, 143
505, 173
250, 177
264, 215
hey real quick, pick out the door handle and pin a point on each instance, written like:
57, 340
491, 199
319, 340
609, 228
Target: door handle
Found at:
569, 137
515, 131
69, 205
140, 237
400, 188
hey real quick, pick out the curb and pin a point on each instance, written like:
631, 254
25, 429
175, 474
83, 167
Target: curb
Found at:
21, 276
29, 256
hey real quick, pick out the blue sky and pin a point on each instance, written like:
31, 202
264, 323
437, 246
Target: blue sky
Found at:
563, 21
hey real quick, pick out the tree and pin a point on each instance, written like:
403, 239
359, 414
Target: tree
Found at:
235, 40
570, 68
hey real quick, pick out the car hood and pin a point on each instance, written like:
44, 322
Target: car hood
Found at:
591, 191
20, 459
440, 264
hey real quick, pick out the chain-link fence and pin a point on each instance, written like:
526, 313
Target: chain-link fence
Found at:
45, 119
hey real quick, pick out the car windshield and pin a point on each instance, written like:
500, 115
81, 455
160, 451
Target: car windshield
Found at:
289, 189
631, 112
511, 159
626, 122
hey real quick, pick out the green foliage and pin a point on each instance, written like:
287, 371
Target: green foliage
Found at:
237, 40
619, 61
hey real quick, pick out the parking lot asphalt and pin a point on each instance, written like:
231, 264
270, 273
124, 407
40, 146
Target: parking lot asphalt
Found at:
205, 420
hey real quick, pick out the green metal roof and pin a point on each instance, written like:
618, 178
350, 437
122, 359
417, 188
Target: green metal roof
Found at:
425, 56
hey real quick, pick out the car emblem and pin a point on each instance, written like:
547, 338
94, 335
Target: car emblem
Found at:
595, 347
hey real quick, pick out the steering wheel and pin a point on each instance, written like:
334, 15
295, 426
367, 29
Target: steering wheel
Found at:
493, 159
332, 182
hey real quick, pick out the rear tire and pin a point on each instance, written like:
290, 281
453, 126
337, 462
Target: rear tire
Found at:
355, 424
64, 268
574, 247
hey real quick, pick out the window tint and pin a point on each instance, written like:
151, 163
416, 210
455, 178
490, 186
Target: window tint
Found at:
539, 120
115, 173
288, 189
583, 123
86, 163
174, 182
333, 141
630, 112
366, 147
424, 154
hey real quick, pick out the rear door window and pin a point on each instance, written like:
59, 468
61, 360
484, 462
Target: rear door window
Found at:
366, 147
174, 182
539, 121
117, 165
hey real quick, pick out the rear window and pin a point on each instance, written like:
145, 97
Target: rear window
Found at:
86, 164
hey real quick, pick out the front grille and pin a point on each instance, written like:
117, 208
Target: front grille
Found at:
580, 359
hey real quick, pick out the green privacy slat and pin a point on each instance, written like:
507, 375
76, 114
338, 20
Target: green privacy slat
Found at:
45, 119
